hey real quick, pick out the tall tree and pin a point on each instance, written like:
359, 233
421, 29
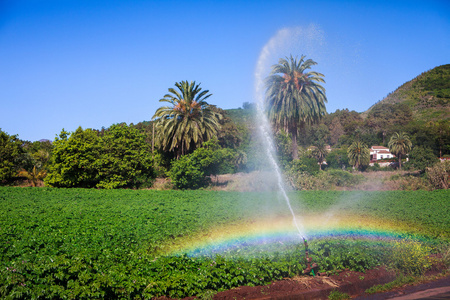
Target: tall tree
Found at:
400, 145
125, 159
10, 152
73, 161
358, 154
188, 120
294, 96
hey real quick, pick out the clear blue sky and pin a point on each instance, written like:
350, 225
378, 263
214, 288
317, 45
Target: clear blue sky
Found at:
70, 63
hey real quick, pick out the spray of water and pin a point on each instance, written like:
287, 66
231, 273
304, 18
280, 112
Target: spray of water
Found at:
281, 40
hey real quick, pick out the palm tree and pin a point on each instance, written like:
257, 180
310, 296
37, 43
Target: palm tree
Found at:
320, 152
293, 96
358, 154
399, 145
34, 176
188, 121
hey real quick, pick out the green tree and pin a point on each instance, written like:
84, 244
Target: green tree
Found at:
358, 154
294, 98
338, 159
188, 120
10, 152
125, 158
385, 117
228, 135
283, 144
421, 158
73, 162
399, 145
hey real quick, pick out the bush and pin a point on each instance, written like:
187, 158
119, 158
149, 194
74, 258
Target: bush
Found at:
191, 171
410, 182
340, 178
304, 165
439, 175
300, 174
410, 257
327, 180
186, 173
337, 295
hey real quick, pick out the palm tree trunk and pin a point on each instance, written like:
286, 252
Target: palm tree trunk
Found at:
400, 161
294, 144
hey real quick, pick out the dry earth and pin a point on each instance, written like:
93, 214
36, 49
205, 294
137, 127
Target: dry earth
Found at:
354, 284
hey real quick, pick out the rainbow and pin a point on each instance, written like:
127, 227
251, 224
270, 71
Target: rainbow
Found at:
281, 230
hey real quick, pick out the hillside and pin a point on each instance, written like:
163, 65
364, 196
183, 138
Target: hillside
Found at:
428, 95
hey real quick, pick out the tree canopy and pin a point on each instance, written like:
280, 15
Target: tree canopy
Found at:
10, 152
188, 120
400, 145
358, 154
294, 96
119, 158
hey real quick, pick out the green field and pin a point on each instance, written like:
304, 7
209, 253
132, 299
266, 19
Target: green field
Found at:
86, 243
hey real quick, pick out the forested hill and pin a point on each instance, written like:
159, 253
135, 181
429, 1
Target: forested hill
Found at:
427, 95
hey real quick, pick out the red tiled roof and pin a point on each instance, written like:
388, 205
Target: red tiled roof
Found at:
384, 152
379, 148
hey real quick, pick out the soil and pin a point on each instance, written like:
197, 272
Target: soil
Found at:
319, 287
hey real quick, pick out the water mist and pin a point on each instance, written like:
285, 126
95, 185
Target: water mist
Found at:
278, 41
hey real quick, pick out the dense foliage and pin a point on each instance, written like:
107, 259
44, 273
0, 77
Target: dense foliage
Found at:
119, 158
88, 243
10, 153
191, 171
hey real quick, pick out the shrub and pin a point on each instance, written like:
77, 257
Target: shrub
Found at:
439, 175
299, 174
340, 178
191, 171
186, 173
326, 180
304, 165
410, 182
410, 257
336, 295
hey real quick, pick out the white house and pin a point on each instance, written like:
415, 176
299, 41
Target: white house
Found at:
379, 152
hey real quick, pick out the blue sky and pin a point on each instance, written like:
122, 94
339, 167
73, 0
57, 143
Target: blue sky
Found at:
70, 63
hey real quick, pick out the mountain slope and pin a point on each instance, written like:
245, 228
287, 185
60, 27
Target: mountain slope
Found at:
428, 95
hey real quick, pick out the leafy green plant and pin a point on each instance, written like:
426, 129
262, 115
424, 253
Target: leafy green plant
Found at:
398, 282
337, 295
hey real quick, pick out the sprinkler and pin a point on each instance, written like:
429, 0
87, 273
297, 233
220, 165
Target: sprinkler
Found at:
309, 267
